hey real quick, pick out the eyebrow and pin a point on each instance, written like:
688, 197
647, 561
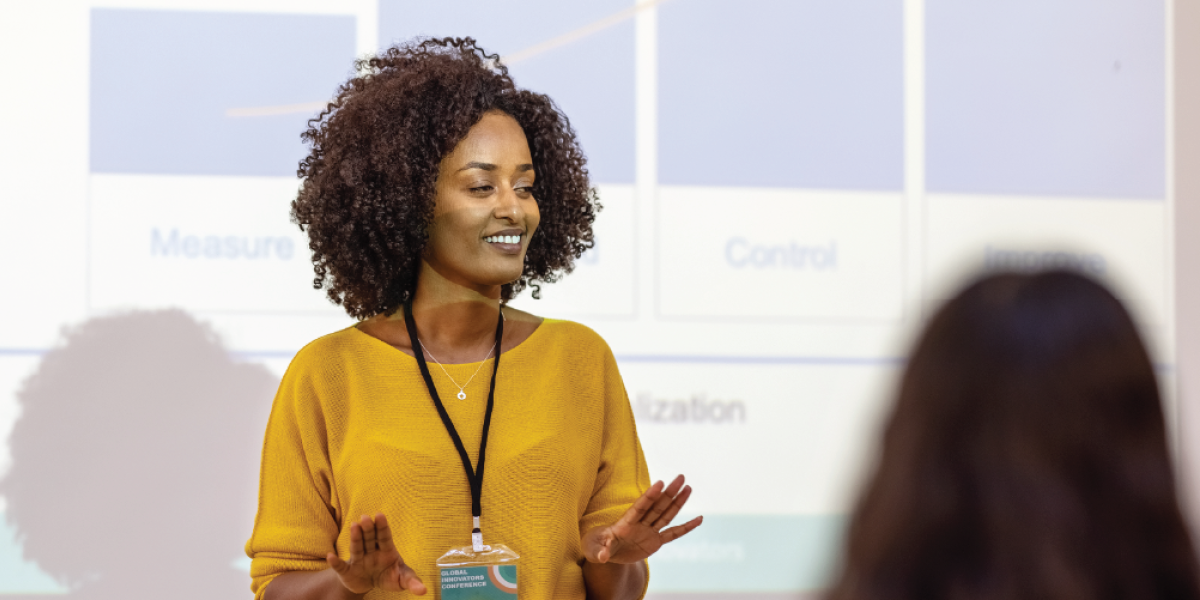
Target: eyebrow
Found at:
491, 167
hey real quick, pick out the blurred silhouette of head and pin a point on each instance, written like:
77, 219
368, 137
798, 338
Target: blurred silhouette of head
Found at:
1025, 457
134, 460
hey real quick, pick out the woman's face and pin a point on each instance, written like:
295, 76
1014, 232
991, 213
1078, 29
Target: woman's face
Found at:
484, 211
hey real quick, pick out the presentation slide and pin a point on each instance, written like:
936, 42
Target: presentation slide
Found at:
789, 188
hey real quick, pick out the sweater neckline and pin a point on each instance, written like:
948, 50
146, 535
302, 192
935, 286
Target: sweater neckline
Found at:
386, 346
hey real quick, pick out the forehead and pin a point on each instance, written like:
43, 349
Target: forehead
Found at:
497, 138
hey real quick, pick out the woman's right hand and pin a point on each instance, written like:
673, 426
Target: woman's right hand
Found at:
374, 561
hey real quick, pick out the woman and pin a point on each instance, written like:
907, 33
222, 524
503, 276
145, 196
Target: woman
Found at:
1025, 457
435, 191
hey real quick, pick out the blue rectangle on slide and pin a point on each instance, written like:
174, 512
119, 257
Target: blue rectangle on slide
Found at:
19, 575
782, 93
1038, 97
163, 81
589, 77
751, 553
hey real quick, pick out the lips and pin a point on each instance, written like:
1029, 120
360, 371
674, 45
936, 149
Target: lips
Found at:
507, 241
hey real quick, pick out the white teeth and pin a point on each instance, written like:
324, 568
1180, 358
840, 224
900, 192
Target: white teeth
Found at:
503, 239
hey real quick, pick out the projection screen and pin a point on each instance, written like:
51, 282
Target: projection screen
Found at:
789, 187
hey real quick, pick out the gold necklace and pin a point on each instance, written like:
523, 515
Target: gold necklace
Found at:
462, 393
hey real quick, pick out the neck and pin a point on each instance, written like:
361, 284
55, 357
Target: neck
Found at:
452, 317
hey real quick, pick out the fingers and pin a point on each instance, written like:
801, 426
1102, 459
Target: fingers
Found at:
675, 485
383, 533
356, 542
676, 504
368, 534
679, 531
663, 501
644, 503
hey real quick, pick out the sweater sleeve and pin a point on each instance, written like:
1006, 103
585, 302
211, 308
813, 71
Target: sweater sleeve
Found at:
297, 522
623, 476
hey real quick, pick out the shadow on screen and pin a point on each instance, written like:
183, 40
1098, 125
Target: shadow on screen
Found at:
135, 460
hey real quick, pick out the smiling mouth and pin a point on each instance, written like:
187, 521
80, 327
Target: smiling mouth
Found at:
503, 239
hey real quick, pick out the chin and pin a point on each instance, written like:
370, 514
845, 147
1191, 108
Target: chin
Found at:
499, 278
508, 280
503, 274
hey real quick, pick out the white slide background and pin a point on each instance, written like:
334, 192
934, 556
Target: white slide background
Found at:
789, 187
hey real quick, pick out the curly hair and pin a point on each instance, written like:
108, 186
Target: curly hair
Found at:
369, 179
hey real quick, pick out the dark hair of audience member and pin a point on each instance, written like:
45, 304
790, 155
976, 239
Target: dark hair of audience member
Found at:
1025, 457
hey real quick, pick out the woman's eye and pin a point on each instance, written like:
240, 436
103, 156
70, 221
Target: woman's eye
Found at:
481, 189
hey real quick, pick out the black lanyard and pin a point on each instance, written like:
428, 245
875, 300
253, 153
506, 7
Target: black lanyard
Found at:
474, 476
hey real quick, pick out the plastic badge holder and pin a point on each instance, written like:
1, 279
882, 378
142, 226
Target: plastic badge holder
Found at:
490, 574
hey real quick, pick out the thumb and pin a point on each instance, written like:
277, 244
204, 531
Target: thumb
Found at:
409, 580
603, 555
596, 544
602, 549
336, 563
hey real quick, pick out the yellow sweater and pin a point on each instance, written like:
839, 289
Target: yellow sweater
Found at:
354, 432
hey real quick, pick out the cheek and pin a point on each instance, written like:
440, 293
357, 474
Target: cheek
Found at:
533, 215
444, 242
453, 228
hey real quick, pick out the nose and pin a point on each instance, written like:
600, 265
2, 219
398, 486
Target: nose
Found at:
508, 206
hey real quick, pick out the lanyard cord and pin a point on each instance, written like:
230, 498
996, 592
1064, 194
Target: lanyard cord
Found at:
474, 476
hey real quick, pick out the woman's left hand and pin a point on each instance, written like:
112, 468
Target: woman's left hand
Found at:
639, 533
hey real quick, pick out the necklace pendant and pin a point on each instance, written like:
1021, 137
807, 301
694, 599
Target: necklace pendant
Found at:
462, 395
